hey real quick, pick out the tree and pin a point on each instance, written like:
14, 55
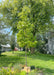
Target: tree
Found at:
34, 18
0, 49
13, 42
4, 36
25, 36
11, 9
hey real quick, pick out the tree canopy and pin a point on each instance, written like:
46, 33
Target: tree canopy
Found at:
41, 12
34, 18
28, 17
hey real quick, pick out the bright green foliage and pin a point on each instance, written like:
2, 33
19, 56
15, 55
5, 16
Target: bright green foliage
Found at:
25, 35
34, 17
9, 71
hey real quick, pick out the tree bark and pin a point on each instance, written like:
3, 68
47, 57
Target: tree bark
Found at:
12, 51
0, 52
26, 57
0, 49
32, 50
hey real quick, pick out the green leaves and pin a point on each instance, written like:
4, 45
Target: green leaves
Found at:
33, 19
25, 35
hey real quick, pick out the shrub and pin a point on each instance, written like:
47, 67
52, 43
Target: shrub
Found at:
41, 47
16, 70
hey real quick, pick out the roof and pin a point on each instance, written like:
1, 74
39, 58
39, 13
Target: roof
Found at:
6, 45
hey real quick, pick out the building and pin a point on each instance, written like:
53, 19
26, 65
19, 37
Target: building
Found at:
50, 42
6, 48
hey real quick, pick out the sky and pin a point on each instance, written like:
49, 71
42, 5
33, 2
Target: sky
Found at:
0, 0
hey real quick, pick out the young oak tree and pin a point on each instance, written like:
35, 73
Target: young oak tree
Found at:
25, 36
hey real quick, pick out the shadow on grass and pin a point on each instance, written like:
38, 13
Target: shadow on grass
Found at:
6, 60
45, 70
44, 57
2, 55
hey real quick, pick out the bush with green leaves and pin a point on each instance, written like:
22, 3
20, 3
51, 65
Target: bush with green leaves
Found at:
9, 71
41, 46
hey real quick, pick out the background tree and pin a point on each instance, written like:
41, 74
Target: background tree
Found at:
11, 9
41, 13
0, 49
38, 17
13, 42
4, 34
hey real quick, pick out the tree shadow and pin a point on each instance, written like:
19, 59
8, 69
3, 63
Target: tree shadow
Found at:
6, 60
3, 55
44, 57
45, 70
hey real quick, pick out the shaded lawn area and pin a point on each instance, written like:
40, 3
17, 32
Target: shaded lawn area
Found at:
8, 57
42, 61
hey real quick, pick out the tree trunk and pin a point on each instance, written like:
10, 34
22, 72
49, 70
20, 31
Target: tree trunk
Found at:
12, 51
23, 48
26, 57
0, 49
0, 52
32, 50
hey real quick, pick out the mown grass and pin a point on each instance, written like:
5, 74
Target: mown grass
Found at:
42, 61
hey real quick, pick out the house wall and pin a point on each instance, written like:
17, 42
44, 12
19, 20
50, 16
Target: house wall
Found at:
51, 45
5, 49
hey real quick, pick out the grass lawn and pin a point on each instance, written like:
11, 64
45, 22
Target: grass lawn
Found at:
42, 61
